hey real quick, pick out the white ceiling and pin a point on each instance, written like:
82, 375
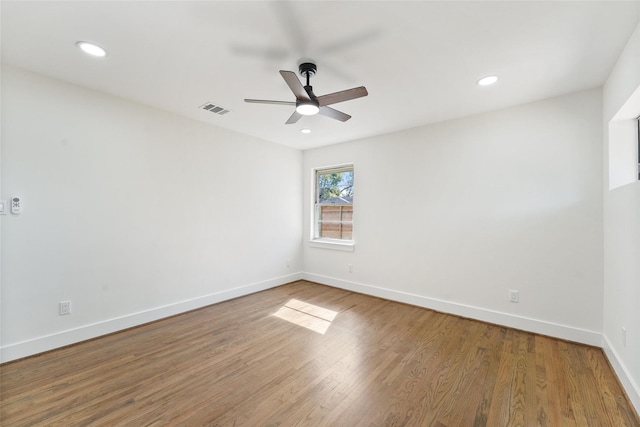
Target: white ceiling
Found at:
419, 60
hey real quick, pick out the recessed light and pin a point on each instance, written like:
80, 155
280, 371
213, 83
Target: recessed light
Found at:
306, 131
91, 49
489, 80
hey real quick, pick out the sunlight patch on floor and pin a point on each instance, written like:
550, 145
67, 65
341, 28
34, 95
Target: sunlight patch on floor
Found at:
307, 315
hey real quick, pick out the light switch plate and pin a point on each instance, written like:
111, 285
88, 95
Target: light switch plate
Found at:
3, 207
16, 205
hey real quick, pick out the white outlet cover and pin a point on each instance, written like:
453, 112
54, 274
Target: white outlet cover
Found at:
3, 207
65, 308
514, 296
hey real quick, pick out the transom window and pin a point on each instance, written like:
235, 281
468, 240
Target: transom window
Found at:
333, 210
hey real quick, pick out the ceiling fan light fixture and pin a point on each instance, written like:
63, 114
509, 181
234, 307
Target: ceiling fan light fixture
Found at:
307, 108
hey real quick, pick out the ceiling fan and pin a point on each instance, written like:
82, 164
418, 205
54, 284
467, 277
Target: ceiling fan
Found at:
307, 103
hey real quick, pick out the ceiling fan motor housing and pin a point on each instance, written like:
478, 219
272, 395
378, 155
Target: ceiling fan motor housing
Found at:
307, 69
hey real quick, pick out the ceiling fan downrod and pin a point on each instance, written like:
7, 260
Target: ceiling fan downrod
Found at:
307, 69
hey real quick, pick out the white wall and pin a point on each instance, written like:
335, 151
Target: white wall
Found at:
622, 233
132, 213
454, 215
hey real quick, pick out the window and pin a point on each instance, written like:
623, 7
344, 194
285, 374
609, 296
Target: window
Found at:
333, 206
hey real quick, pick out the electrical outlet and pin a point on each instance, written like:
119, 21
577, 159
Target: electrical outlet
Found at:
514, 296
624, 337
350, 268
64, 308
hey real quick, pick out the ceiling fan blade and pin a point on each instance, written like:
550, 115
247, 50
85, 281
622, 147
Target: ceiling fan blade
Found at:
294, 118
265, 101
266, 53
294, 84
345, 95
334, 114
350, 42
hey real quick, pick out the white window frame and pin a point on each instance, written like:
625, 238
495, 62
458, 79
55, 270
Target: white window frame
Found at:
638, 144
624, 147
324, 242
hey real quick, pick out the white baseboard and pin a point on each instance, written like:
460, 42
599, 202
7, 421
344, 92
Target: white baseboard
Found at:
505, 319
82, 333
629, 385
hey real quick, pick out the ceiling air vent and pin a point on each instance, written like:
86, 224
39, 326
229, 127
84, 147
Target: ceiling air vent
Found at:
214, 108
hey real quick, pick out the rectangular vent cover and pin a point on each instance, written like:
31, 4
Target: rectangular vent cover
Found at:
214, 108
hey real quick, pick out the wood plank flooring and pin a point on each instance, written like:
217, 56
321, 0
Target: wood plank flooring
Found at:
379, 363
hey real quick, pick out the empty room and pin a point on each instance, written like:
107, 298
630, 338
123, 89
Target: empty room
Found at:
320, 213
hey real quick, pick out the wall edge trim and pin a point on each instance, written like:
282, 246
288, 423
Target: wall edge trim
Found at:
67, 337
537, 326
630, 386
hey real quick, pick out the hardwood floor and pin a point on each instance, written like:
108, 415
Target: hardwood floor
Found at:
379, 363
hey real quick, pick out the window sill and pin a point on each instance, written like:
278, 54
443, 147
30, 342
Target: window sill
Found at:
337, 245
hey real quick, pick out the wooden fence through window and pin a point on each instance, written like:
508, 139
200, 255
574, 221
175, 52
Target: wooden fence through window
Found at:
336, 222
